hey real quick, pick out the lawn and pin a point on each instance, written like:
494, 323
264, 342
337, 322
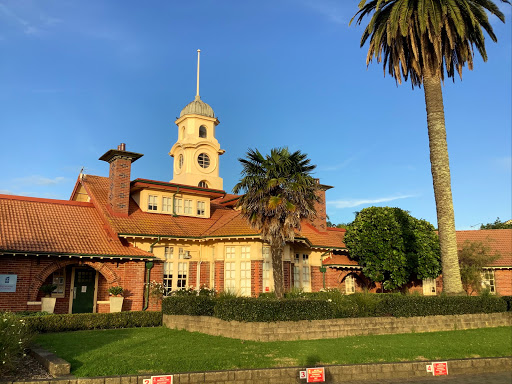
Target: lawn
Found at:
162, 350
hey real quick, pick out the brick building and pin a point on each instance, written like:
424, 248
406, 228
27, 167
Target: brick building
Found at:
115, 231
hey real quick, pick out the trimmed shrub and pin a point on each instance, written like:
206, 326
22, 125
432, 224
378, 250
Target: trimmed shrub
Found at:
268, 310
408, 306
15, 336
84, 321
508, 300
188, 305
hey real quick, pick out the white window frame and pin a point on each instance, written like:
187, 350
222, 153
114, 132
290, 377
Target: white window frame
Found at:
268, 281
237, 270
166, 204
302, 272
187, 207
350, 284
489, 280
178, 206
152, 203
429, 287
201, 208
59, 279
176, 270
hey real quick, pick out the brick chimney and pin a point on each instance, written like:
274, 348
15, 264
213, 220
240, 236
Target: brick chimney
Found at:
120, 168
320, 222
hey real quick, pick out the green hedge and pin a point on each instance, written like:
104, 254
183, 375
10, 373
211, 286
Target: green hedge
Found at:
508, 300
267, 310
408, 306
188, 305
83, 321
328, 305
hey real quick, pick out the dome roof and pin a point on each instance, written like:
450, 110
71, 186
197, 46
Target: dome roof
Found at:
198, 107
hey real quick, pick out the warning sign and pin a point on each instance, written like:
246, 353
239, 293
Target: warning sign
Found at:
315, 375
439, 368
161, 379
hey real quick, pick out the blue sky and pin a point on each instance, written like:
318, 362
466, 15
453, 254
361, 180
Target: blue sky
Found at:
79, 77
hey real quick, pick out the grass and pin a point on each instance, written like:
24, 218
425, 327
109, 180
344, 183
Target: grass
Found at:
159, 350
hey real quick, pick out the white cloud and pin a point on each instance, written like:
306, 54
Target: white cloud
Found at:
40, 180
6, 192
357, 202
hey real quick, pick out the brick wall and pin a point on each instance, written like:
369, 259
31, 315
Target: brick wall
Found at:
192, 274
334, 328
205, 274
503, 281
33, 272
119, 193
219, 275
256, 277
287, 275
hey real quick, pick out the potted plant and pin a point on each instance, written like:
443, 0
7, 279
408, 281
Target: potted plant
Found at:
48, 302
116, 298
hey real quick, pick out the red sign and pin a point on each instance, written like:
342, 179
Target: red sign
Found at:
315, 375
440, 369
161, 379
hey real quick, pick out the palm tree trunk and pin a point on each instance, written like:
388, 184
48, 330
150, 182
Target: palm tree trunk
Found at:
440, 166
277, 270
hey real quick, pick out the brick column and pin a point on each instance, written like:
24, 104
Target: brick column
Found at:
286, 275
204, 279
192, 274
256, 277
219, 275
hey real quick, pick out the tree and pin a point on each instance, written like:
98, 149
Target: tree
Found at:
473, 257
420, 40
393, 247
279, 192
498, 224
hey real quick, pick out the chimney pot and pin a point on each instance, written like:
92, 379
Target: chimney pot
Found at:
122, 147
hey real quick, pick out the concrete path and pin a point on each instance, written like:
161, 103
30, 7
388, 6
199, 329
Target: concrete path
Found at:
483, 378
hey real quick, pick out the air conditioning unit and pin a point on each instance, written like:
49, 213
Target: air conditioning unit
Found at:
187, 255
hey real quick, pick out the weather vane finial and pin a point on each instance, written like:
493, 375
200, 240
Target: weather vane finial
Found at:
198, 54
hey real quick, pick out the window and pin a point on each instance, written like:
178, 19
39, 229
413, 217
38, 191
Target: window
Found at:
488, 280
152, 203
200, 208
245, 278
350, 284
202, 131
245, 252
203, 184
267, 270
59, 279
178, 206
204, 160
429, 287
180, 161
302, 272
230, 252
168, 269
175, 273
229, 277
166, 204
188, 207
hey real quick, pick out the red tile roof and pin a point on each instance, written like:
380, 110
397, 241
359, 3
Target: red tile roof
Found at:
45, 226
224, 221
499, 240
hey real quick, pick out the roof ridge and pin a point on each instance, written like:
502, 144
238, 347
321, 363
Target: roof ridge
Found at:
48, 201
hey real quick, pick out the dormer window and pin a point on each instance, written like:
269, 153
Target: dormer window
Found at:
152, 203
202, 131
203, 184
204, 160
200, 208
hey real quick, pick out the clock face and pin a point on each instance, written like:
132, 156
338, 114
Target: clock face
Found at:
203, 160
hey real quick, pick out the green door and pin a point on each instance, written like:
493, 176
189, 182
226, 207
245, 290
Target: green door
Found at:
83, 295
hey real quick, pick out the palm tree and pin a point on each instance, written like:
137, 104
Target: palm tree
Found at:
421, 40
278, 193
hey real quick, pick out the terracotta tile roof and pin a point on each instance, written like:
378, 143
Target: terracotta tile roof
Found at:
224, 221
339, 260
499, 240
33, 225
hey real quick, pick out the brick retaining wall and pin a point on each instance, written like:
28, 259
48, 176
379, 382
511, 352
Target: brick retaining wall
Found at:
334, 373
334, 328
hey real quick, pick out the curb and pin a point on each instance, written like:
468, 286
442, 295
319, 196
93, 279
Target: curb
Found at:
334, 373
